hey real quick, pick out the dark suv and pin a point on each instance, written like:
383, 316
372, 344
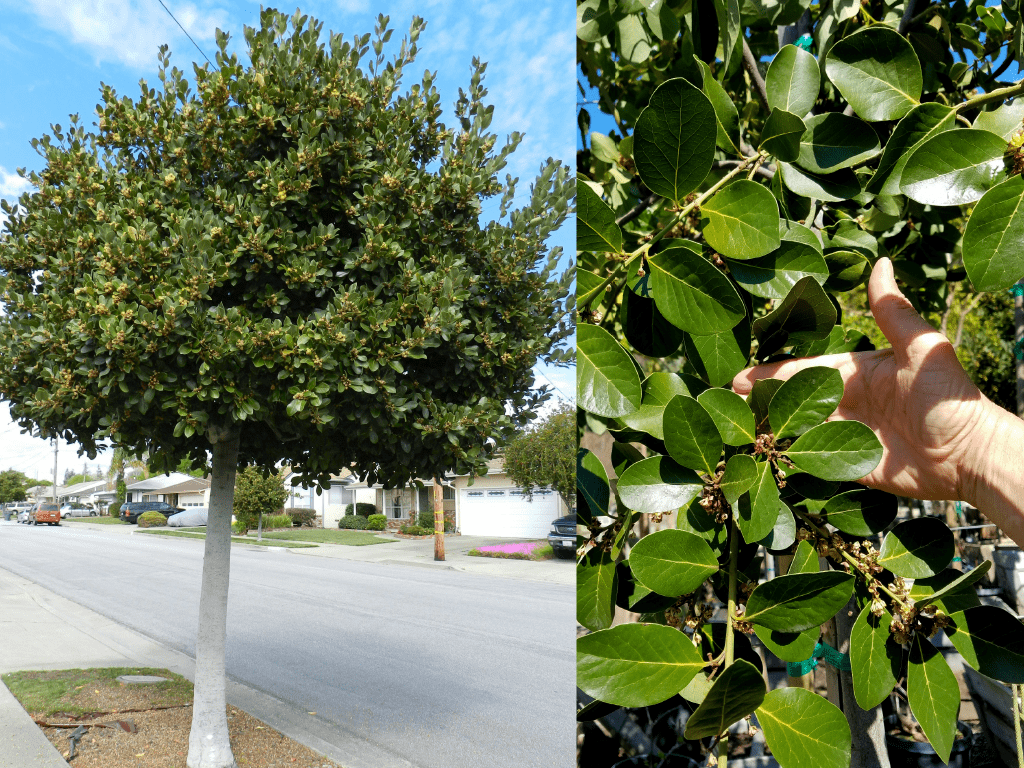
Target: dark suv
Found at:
130, 511
562, 536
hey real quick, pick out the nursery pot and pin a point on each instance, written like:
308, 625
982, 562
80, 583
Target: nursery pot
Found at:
907, 753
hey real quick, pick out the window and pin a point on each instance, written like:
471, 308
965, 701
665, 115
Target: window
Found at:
475, 493
339, 495
495, 493
449, 493
516, 492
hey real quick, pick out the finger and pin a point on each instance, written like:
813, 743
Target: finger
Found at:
743, 381
895, 315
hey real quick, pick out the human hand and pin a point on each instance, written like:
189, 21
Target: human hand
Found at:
915, 396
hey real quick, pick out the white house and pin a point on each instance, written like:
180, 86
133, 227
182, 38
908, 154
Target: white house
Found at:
175, 488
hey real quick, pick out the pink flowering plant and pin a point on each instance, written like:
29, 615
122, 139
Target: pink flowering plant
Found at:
529, 550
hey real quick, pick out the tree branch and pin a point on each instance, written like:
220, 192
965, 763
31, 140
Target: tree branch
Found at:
639, 208
908, 14
750, 63
768, 173
971, 306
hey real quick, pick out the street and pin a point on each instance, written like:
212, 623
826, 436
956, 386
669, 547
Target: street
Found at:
440, 667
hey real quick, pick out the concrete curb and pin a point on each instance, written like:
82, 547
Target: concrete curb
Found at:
22, 744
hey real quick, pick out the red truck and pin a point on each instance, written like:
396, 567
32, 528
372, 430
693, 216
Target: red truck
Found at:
45, 512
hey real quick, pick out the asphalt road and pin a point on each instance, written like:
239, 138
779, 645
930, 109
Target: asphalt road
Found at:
443, 668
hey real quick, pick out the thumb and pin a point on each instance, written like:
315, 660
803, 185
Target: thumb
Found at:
895, 315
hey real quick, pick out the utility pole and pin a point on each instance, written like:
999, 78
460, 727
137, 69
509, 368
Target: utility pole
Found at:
438, 520
55, 469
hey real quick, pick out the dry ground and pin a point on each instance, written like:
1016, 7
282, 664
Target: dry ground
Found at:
79, 697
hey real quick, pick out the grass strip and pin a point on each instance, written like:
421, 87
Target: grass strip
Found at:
74, 691
236, 539
101, 520
330, 536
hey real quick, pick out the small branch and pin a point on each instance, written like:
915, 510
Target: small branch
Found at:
750, 63
923, 14
999, 94
767, 173
639, 208
908, 16
971, 306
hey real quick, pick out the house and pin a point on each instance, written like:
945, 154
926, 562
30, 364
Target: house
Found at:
98, 493
175, 488
479, 506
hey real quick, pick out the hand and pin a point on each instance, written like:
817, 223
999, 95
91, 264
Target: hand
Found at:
916, 397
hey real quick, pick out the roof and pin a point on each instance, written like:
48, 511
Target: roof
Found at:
159, 482
495, 466
195, 485
90, 486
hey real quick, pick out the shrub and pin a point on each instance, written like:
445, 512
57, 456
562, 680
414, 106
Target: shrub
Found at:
353, 522
376, 523
114, 510
239, 527
151, 520
361, 508
301, 516
425, 519
277, 521
415, 530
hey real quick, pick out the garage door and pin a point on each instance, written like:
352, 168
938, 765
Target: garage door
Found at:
506, 512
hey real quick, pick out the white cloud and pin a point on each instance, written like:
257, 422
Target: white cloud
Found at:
12, 185
128, 31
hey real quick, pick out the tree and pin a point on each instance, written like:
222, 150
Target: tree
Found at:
256, 494
13, 485
281, 262
544, 455
741, 191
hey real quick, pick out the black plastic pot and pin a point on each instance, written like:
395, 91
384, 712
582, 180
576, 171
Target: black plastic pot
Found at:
906, 753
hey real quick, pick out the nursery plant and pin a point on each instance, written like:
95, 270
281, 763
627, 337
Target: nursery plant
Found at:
763, 156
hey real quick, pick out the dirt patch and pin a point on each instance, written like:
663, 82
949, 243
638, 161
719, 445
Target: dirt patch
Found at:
161, 715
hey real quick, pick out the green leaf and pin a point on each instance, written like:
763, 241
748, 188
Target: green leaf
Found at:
604, 148
954, 167
934, 695
837, 450
783, 534
792, 81
834, 141
694, 519
847, 269
718, 357
658, 389
731, 415
990, 640
794, 232
728, 118
632, 39
805, 314
596, 584
861, 512
742, 220
833, 188
658, 484
691, 437
692, 294
919, 125
950, 590
877, 72
804, 729
593, 20
740, 474
592, 482
635, 665
794, 646
674, 140
588, 287
1004, 121
757, 511
596, 229
875, 658
607, 383
634, 596
917, 548
760, 400
672, 562
798, 601
993, 243
781, 135
773, 276
646, 329
808, 398
736, 692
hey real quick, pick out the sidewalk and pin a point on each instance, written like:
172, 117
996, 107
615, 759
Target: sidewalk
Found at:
41, 630
414, 552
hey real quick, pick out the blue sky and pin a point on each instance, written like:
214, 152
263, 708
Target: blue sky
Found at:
54, 54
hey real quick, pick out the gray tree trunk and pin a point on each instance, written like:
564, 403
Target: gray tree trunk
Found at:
208, 744
1018, 335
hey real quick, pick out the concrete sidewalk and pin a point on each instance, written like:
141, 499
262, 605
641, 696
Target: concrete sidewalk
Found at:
411, 552
41, 630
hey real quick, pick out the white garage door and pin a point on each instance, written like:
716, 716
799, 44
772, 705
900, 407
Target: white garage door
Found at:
506, 512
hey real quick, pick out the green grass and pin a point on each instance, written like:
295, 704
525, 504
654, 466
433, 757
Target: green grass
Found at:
239, 539
330, 536
102, 520
69, 690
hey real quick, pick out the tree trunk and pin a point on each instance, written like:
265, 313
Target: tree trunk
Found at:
1018, 335
208, 744
866, 727
438, 520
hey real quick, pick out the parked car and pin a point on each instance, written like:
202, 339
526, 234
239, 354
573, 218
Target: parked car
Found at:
562, 536
191, 516
130, 511
45, 512
23, 515
77, 509
17, 508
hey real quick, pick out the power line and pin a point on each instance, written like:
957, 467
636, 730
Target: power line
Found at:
569, 399
186, 33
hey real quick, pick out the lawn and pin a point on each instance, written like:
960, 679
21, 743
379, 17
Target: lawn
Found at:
102, 520
238, 539
74, 691
330, 536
